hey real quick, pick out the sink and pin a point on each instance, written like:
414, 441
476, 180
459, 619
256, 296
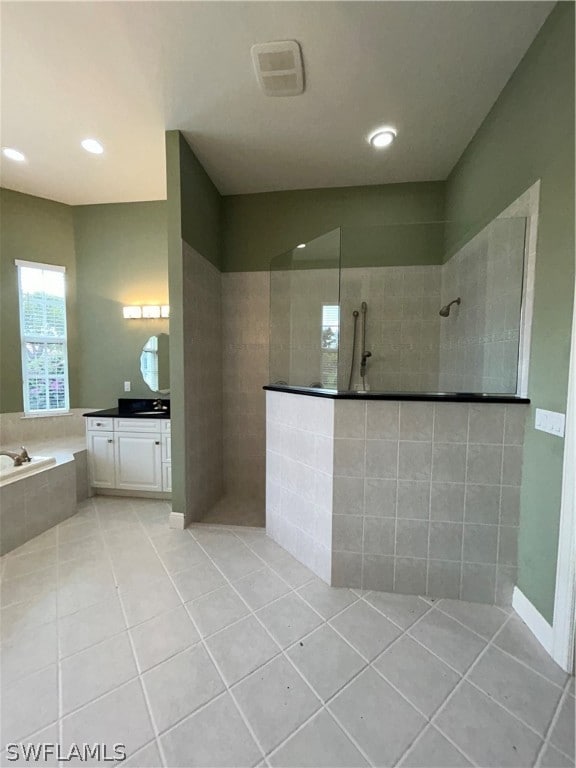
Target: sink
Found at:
150, 413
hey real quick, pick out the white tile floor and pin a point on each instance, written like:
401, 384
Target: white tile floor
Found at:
214, 647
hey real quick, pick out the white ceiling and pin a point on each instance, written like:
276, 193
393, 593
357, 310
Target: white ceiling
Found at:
124, 72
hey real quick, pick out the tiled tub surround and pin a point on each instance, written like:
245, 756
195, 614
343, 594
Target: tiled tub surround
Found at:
30, 505
419, 498
17, 429
116, 629
34, 503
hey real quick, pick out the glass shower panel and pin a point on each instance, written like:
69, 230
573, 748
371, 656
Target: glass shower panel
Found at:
391, 277
305, 314
479, 341
396, 279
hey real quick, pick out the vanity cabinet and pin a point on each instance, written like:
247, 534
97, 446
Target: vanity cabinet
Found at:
101, 459
129, 454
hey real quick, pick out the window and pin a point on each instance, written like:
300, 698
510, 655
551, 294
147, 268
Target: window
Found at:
42, 298
329, 345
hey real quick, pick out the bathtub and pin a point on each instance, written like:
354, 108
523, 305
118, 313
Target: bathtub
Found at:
8, 472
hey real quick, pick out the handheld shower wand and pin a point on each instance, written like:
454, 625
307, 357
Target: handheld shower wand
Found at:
365, 353
355, 316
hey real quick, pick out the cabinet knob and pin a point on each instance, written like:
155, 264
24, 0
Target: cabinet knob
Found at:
110, 440
156, 442
98, 423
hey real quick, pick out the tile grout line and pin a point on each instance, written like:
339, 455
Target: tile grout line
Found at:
212, 659
465, 679
498, 530
556, 716
308, 685
131, 641
465, 500
428, 558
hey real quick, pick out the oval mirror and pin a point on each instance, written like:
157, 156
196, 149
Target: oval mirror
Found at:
155, 363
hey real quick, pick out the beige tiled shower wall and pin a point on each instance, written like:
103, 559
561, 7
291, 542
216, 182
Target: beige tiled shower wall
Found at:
479, 340
203, 375
402, 327
299, 455
245, 322
426, 497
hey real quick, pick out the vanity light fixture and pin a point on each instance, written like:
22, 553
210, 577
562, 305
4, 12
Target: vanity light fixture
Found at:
147, 312
13, 154
382, 137
132, 313
150, 312
92, 146
302, 245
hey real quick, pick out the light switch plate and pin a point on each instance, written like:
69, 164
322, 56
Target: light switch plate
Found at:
127, 386
550, 421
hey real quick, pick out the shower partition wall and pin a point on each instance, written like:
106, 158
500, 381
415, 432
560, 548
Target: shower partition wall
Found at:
423, 317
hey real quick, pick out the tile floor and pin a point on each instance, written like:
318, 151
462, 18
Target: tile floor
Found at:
214, 647
231, 510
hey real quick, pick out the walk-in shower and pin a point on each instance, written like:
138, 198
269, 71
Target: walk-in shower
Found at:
358, 309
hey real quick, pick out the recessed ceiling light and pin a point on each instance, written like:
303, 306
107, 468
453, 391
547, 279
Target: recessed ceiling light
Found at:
93, 146
381, 138
302, 245
13, 154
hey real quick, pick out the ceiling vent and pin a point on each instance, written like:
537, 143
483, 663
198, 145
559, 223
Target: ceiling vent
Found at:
278, 67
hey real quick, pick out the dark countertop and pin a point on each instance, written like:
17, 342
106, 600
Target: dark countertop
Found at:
445, 397
116, 413
136, 408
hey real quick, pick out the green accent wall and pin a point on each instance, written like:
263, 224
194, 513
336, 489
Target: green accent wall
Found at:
122, 259
32, 229
529, 135
258, 227
201, 205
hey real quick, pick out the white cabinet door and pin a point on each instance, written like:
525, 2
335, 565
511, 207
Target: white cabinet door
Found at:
138, 462
101, 459
167, 476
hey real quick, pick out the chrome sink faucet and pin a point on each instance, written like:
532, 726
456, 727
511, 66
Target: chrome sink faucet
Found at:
158, 405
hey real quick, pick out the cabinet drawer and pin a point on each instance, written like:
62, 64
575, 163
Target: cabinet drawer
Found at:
137, 425
166, 448
95, 423
165, 425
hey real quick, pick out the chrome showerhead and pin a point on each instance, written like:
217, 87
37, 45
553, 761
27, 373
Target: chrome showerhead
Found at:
445, 311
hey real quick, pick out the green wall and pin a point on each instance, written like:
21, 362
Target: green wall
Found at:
122, 259
258, 227
529, 135
201, 206
32, 229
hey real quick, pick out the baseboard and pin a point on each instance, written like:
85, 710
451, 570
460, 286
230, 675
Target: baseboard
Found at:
176, 520
533, 619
